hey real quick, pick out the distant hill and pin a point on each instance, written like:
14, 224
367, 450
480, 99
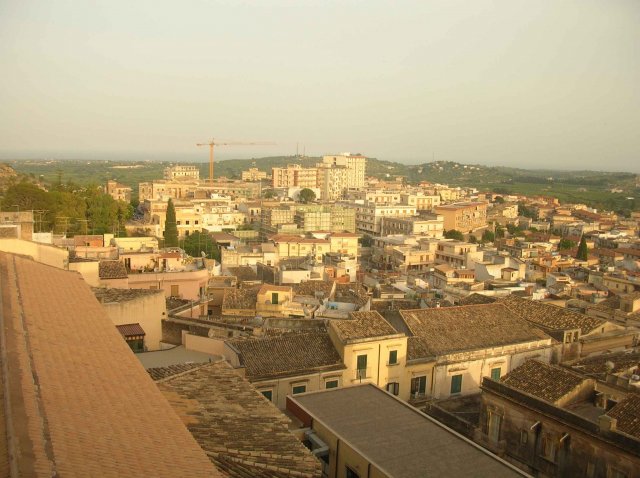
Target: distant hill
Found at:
609, 190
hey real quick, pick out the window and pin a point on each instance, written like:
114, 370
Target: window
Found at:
333, 383
350, 473
393, 357
298, 389
268, 394
493, 428
274, 297
548, 450
187, 222
393, 387
495, 373
456, 383
362, 365
591, 469
524, 437
175, 290
418, 386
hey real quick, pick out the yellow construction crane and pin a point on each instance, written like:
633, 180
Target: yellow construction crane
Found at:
213, 143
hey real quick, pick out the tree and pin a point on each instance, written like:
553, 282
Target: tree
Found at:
488, 236
307, 195
268, 194
583, 251
197, 243
498, 200
473, 239
499, 232
565, 244
170, 227
454, 234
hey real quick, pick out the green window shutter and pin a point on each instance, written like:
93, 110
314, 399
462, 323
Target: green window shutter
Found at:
495, 374
393, 357
456, 383
362, 362
299, 389
331, 384
268, 394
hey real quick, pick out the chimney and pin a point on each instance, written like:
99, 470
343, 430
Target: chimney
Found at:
607, 423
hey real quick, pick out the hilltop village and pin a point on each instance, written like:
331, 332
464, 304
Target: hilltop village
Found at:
314, 321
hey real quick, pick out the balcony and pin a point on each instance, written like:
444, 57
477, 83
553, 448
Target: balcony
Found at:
362, 374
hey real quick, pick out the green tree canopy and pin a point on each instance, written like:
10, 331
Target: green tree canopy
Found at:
307, 195
170, 227
488, 236
197, 243
565, 244
454, 234
583, 251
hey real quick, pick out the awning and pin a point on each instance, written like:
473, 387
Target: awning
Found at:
130, 330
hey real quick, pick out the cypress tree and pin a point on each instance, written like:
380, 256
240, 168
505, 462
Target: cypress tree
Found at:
170, 227
582, 250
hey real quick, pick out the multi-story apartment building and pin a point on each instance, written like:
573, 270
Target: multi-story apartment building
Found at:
422, 202
464, 217
271, 218
459, 255
379, 196
417, 225
253, 174
117, 191
369, 215
336, 174
332, 218
181, 171
356, 164
294, 175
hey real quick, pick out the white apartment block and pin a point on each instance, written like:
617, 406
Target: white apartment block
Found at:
369, 215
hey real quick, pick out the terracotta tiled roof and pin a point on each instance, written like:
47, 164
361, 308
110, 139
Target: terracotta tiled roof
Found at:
94, 410
130, 330
627, 413
160, 373
447, 330
551, 317
417, 349
244, 434
599, 364
243, 273
310, 287
107, 294
363, 325
277, 288
112, 270
243, 298
476, 299
351, 293
288, 355
547, 382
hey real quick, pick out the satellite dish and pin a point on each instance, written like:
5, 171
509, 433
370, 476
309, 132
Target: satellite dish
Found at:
610, 365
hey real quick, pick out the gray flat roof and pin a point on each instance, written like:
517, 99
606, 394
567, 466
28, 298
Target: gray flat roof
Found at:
397, 438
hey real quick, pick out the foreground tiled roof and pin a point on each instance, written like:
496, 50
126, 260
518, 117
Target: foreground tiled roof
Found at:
112, 270
351, 293
159, 373
447, 330
627, 413
244, 434
551, 317
288, 355
363, 325
547, 382
243, 273
80, 410
130, 330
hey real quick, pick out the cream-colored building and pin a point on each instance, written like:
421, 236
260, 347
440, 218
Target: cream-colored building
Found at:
253, 174
472, 342
293, 176
457, 254
369, 216
136, 312
422, 202
117, 191
416, 225
372, 352
339, 173
181, 172
464, 217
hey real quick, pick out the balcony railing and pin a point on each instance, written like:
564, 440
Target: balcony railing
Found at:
363, 373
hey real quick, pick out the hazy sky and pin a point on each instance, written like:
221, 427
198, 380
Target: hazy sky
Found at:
534, 83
